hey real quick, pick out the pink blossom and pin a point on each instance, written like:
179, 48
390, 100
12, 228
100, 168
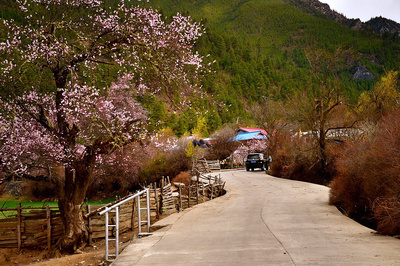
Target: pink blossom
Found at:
80, 114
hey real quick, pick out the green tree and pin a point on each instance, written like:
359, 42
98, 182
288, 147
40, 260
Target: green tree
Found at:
382, 100
201, 129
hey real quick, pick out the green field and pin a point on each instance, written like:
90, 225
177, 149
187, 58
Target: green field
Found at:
13, 204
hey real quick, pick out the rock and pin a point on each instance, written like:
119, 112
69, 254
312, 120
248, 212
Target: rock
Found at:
78, 251
383, 25
363, 73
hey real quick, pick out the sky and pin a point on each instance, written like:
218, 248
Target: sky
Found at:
366, 9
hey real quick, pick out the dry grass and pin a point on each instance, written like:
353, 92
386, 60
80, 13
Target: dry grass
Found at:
183, 177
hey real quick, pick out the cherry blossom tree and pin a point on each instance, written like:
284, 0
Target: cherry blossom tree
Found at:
69, 76
258, 145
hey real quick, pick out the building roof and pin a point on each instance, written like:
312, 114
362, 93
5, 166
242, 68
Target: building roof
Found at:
248, 130
250, 136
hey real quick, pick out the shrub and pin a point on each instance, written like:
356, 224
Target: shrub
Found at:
296, 159
170, 163
367, 183
183, 177
153, 171
41, 190
104, 187
222, 145
177, 161
348, 185
387, 213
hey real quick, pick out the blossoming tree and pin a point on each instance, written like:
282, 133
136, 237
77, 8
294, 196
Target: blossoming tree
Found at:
69, 74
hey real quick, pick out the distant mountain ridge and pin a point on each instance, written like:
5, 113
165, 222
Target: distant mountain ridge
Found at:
379, 25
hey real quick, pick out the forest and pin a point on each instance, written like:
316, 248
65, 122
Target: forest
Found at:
114, 90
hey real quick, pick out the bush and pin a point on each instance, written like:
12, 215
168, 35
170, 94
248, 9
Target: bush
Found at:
183, 177
348, 185
177, 161
170, 163
296, 159
222, 145
367, 183
387, 214
153, 171
41, 190
104, 187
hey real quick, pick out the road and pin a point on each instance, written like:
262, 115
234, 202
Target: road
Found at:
262, 220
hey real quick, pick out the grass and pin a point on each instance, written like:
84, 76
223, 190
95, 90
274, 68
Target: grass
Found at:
9, 202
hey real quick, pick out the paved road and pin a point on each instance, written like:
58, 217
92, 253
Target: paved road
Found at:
262, 220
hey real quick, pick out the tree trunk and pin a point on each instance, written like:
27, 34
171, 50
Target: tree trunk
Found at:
75, 231
78, 174
77, 180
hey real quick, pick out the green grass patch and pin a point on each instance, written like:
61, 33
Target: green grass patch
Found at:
24, 204
12, 203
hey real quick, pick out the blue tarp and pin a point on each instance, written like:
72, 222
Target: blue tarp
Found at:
249, 136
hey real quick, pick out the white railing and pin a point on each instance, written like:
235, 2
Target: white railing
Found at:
115, 208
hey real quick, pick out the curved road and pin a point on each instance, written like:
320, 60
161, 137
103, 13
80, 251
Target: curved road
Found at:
262, 220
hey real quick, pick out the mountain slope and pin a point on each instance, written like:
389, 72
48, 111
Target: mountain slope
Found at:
259, 47
260, 51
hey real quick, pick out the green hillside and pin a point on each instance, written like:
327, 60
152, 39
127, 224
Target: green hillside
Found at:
260, 51
259, 48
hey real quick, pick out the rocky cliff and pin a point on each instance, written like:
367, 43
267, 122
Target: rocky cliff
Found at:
379, 25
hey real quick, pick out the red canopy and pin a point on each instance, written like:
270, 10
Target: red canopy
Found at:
248, 129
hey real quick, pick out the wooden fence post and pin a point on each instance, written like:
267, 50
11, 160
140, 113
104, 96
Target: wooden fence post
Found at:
197, 188
157, 203
222, 189
133, 214
162, 194
197, 193
48, 217
212, 191
180, 197
90, 226
190, 183
19, 226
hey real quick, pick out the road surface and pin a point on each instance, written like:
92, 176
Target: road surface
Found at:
262, 220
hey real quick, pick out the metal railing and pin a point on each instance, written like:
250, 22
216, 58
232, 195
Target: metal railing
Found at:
115, 208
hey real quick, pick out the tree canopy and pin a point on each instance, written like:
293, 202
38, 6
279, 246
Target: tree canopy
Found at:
70, 76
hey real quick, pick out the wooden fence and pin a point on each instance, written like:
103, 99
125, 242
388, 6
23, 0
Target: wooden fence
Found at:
214, 164
32, 227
